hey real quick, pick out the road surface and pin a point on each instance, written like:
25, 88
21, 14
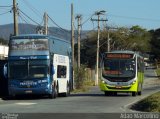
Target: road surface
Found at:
93, 101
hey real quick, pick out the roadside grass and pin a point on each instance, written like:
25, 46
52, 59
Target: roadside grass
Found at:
85, 87
149, 104
82, 83
158, 72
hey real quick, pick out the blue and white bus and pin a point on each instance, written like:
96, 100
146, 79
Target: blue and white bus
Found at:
39, 64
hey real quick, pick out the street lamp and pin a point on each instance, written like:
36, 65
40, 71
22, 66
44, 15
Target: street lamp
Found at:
98, 13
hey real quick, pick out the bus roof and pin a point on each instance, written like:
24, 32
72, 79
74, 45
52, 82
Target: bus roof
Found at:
126, 52
23, 36
122, 51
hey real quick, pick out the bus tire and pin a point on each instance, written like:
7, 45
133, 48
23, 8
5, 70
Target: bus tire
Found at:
139, 92
68, 90
134, 94
53, 95
114, 93
106, 93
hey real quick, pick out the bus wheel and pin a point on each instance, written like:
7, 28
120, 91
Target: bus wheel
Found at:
106, 93
114, 93
56, 90
68, 91
133, 93
139, 92
53, 95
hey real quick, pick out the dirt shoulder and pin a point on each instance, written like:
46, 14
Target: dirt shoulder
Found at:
152, 102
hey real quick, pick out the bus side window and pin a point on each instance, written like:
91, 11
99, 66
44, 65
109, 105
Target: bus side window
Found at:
61, 71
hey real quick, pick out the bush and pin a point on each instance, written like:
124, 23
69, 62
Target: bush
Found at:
158, 72
149, 104
81, 80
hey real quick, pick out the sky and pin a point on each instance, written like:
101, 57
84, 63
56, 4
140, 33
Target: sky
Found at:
119, 13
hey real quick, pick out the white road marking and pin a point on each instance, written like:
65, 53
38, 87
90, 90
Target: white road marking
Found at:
25, 103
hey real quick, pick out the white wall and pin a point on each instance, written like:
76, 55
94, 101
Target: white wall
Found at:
3, 51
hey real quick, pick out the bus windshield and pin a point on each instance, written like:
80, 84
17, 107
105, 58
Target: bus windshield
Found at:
29, 46
28, 69
122, 68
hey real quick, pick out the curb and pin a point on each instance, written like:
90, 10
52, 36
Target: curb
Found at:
1, 100
127, 108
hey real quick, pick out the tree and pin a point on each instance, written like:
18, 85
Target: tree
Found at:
134, 38
3, 41
141, 38
155, 43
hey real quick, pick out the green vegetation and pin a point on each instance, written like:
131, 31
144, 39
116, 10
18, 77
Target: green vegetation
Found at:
155, 43
134, 38
149, 104
3, 41
158, 72
82, 82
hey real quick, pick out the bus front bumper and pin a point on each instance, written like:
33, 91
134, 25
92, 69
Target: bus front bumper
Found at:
118, 88
26, 91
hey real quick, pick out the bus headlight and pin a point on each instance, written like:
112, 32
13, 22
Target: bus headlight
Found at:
44, 84
134, 82
12, 85
104, 82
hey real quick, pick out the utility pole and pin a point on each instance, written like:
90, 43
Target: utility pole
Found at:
97, 53
72, 43
108, 44
78, 17
15, 17
45, 17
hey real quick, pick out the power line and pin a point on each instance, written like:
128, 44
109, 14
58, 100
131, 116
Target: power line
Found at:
29, 17
51, 31
57, 24
87, 19
33, 9
137, 18
23, 19
6, 12
75, 27
7, 6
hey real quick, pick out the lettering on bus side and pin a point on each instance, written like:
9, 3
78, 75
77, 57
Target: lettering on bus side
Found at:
61, 59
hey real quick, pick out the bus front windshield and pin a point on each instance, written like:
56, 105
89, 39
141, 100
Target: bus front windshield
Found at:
120, 68
28, 69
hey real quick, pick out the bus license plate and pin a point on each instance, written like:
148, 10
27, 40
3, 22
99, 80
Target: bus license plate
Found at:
118, 87
28, 91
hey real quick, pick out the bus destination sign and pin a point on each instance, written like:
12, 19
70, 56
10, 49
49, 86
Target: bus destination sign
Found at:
119, 56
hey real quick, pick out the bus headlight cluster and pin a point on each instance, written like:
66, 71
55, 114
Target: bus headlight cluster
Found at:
134, 82
104, 82
12, 85
43, 84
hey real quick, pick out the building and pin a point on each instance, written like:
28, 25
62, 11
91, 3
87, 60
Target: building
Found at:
3, 52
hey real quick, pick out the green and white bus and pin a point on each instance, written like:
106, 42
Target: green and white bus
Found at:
122, 71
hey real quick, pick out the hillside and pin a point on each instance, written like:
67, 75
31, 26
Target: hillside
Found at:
7, 30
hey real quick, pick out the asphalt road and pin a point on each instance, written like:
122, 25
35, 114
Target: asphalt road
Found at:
93, 102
